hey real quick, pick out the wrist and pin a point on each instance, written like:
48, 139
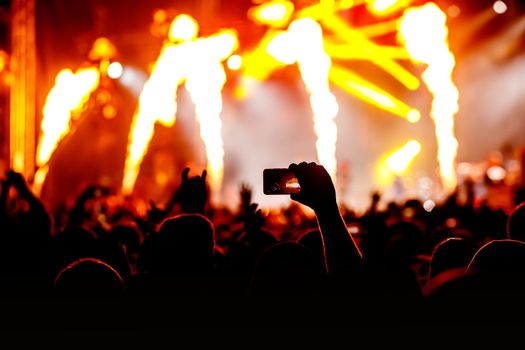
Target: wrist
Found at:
327, 210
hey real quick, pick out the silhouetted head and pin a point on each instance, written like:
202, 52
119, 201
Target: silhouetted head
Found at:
88, 278
184, 246
405, 240
516, 223
500, 257
501, 265
450, 254
71, 244
412, 208
286, 269
111, 252
313, 241
128, 236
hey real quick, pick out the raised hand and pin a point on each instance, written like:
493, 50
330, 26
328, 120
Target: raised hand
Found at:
78, 214
18, 182
192, 193
155, 214
4, 192
246, 196
93, 191
317, 188
375, 198
318, 192
253, 219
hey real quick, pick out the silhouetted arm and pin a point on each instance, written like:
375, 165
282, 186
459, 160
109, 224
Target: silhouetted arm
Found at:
38, 214
78, 214
4, 189
318, 192
192, 193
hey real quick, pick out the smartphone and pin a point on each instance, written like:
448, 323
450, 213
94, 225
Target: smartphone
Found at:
280, 181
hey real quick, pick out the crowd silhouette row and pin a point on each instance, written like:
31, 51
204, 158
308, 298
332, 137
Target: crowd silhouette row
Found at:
462, 255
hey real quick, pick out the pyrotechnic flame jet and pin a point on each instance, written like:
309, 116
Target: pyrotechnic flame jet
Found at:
303, 43
197, 62
65, 99
424, 32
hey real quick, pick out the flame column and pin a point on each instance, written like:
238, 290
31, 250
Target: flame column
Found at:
22, 98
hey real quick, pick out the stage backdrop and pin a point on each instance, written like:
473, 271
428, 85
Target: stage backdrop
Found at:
273, 127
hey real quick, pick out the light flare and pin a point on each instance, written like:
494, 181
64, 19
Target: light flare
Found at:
276, 13
115, 70
424, 32
66, 98
366, 91
397, 163
234, 62
183, 28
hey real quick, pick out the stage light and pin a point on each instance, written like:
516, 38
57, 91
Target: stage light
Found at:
234, 62
496, 173
160, 16
429, 205
413, 116
109, 111
500, 7
453, 11
344, 32
275, 13
400, 160
183, 28
103, 49
115, 70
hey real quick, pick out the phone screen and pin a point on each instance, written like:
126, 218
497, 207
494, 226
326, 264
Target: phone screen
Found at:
280, 181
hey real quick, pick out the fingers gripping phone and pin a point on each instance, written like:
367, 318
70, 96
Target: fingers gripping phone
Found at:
280, 181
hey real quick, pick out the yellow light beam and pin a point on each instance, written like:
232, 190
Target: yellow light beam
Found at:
327, 8
397, 162
257, 65
379, 29
353, 52
343, 31
366, 91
